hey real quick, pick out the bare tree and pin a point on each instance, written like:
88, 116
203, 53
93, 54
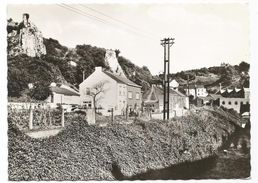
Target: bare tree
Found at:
96, 90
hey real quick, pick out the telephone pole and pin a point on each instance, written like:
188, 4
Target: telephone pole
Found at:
166, 43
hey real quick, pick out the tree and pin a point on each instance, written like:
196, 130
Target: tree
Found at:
95, 91
243, 66
40, 91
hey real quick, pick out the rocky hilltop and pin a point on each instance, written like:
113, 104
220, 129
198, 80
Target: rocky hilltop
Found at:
24, 38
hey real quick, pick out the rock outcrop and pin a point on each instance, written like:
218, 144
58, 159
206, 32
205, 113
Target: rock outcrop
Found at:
111, 60
24, 39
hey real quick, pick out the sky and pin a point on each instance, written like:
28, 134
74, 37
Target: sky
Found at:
205, 34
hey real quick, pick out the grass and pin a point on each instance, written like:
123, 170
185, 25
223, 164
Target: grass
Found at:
83, 152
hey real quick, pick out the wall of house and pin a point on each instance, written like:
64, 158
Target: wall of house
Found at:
121, 98
105, 100
176, 102
233, 103
247, 93
132, 100
58, 98
200, 92
191, 92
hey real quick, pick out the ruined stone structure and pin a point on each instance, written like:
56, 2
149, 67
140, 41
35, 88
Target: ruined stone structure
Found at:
25, 38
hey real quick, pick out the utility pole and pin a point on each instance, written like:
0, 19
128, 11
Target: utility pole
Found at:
83, 75
188, 85
166, 43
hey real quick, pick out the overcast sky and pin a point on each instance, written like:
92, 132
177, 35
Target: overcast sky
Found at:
205, 34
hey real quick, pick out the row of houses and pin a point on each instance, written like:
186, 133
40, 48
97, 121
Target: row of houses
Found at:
111, 90
117, 93
121, 95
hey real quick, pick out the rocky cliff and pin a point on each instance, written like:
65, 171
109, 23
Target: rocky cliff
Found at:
24, 40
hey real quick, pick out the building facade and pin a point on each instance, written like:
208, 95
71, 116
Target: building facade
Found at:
237, 99
117, 93
196, 91
63, 94
154, 98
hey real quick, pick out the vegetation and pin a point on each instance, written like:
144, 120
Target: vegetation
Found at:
56, 66
83, 152
228, 76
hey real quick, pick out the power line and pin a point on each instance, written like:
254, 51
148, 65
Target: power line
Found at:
118, 20
90, 16
77, 11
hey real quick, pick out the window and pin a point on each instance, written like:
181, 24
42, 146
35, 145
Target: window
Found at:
52, 98
87, 91
130, 94
236, 102
87, 104
223, 102
137, 96
120, 93
229, 103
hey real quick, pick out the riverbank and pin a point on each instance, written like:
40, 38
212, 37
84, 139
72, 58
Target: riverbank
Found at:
232, 161
83, 152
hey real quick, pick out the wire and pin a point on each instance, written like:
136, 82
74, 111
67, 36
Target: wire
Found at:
90, 16
80, 12
119, 21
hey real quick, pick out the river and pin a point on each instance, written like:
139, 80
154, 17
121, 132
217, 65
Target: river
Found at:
231, 162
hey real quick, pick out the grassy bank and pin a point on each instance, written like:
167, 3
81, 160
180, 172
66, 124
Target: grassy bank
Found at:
82, 152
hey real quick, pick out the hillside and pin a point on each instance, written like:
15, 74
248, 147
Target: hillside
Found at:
58, 63
228, 75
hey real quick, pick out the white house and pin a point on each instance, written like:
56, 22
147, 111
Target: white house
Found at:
174, 84
63, 94
196, 91
237, 99
115, 92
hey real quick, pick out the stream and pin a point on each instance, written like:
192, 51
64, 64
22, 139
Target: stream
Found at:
231, 162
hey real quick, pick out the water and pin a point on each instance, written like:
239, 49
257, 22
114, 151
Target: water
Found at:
232, 161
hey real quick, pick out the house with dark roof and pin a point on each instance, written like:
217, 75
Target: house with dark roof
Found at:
63, 94
154, 98
115, 92
235, 98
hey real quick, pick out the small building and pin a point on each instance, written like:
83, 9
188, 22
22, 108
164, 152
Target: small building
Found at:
154, 97
117, 93
237, 99
196, 91
63, 94
174, 84
209, 100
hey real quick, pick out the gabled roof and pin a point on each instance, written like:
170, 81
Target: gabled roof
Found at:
64, 91
152, 94
121, 79
232, 93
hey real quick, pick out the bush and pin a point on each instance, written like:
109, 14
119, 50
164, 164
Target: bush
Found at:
83, 152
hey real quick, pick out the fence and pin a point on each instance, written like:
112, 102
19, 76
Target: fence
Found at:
36, 118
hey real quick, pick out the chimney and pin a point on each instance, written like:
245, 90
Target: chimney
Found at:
98, 69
